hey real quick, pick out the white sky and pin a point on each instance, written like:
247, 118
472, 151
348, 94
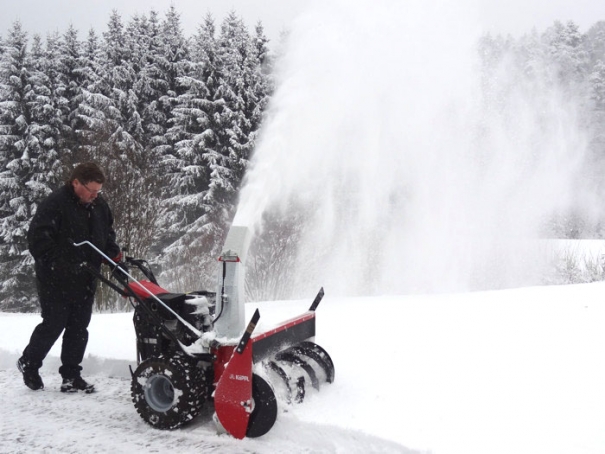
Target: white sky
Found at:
520, 16
42, 16
504, 16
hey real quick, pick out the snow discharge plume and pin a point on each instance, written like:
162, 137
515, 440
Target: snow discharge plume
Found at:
384, 167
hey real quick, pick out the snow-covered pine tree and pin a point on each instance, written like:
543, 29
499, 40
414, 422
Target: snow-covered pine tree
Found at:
90, 120
597, 96
109, 105
244, 90
189, 132
14, 211
125, 128
72, 76
597, 124
172, 64
193, 133
29, 161
594, 41
265, 58
149, 85
216, 123
597, 83
566, 55
262, 78
44, 103
52, 111
133, 187
139, 216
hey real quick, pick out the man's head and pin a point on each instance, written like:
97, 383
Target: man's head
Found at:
87, 181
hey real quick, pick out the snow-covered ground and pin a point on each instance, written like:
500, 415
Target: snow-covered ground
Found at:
512, 371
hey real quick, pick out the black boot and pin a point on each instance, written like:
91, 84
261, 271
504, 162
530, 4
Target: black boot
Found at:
31, 377
72, 385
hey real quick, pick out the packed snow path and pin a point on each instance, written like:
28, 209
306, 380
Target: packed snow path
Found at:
49, 421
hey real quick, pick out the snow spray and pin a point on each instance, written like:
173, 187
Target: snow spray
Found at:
403, 176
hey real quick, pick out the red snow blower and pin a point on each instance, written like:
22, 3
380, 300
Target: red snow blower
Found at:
192, 348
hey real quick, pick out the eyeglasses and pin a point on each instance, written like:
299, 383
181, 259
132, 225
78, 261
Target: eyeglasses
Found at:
100, 191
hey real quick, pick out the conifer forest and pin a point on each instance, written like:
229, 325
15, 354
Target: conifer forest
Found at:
174, 120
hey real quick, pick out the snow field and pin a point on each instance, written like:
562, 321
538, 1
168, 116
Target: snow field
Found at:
487, 372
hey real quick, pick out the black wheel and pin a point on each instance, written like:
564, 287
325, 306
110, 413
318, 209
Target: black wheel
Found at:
264, 408
168, 392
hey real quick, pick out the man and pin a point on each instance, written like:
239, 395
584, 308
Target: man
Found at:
73, 213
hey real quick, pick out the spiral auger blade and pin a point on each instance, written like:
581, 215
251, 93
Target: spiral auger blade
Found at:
274, 367
316, 353
299, 365
291, 357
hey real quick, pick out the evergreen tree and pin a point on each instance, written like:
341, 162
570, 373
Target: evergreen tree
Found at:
244, 91
14, 211
72, 77
172, 64
44, 103
597, 95
566, 55
193, 131
216, 123
266, 60
29, 157
594, 42
125, 129
108, 107
52, 110
92, 124
134, 168
149, 86
597, 80
220, 137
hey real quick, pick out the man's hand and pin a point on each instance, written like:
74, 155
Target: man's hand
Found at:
120, 269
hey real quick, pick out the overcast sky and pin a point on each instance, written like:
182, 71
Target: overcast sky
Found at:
42, 16
502, 16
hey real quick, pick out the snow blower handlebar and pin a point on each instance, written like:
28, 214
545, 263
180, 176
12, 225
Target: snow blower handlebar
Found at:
192, 328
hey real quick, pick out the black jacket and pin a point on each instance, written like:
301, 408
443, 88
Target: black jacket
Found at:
60, 220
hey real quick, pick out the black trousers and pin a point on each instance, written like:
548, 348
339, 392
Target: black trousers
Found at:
69, 312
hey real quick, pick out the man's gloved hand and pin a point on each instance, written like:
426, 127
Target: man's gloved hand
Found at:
119, 269
118, 258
